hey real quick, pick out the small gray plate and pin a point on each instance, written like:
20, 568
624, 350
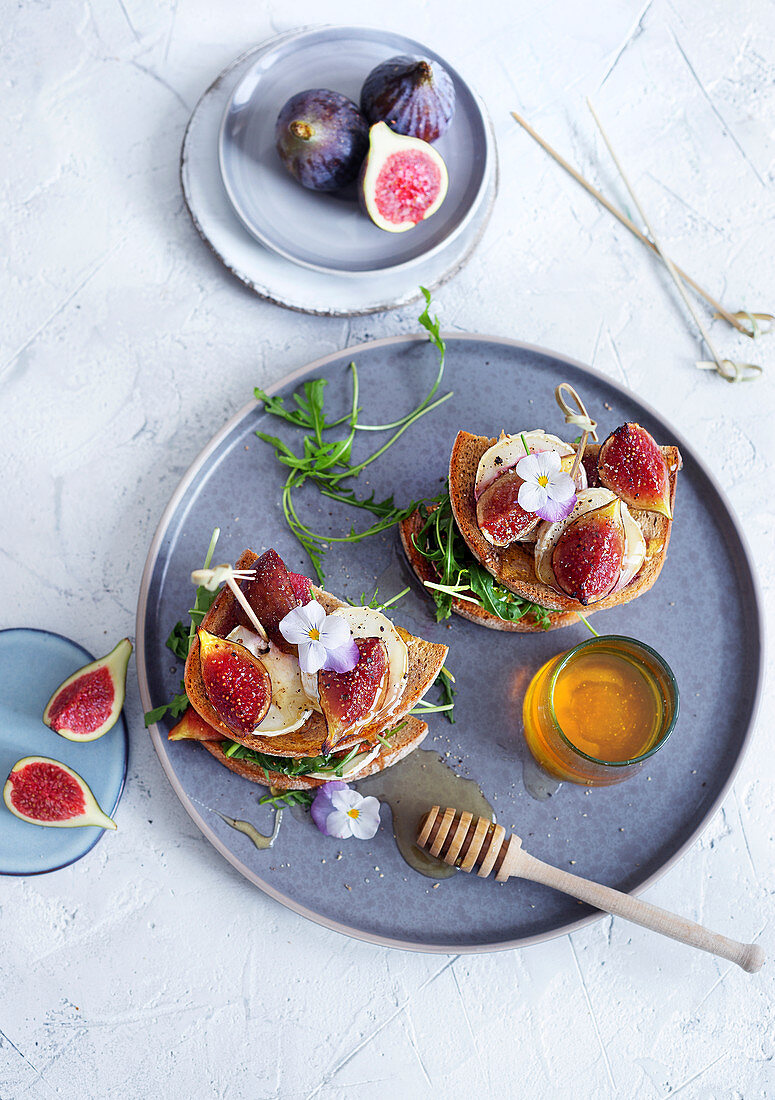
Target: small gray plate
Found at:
329, 232
702, 615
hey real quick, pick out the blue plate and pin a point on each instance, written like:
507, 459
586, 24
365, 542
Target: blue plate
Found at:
329, 232
33, 663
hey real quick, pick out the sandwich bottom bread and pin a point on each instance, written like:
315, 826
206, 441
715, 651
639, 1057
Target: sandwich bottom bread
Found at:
315, 726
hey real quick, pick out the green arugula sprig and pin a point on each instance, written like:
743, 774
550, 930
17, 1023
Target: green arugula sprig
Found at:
181, 638
376, 603
327, 463
460, 575
288, 798
294, 766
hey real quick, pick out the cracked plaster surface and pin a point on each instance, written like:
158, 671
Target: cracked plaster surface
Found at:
124, 346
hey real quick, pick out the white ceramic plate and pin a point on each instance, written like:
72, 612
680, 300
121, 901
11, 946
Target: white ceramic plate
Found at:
270, 275
328, 231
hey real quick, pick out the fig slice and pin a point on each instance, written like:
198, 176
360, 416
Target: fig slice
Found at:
192, 727
631, 465
499, 515
236, 683
587, 559
302, 587
272, 594
348, 698
403, 180
46, 792
89, 702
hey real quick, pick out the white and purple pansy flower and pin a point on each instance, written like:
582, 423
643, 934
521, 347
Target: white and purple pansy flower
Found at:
324, 641
340, 812
546, 490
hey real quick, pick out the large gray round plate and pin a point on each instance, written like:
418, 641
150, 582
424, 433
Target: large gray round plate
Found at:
702, 615
329, 232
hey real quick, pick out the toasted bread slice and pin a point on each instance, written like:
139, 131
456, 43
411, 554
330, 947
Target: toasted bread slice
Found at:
513, 566
410, 527
425, 662
402, 743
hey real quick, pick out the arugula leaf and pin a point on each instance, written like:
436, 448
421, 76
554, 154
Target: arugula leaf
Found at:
181, 638
176, 706
460, 575
178, 641
288, 798
446, 703
327, 462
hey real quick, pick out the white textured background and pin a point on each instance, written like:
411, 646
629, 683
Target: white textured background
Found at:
151, 968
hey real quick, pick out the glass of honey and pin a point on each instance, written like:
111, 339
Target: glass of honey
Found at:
594, 714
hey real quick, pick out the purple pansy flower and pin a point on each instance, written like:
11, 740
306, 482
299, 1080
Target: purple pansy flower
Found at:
340, 812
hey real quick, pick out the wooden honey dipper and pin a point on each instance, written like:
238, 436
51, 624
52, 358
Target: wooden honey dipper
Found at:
474, 843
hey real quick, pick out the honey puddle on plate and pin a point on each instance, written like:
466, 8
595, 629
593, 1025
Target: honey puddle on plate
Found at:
410, 789
259, 839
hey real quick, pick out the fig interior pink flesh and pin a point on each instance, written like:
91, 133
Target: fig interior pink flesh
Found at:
46, 792
407, 185
85, 704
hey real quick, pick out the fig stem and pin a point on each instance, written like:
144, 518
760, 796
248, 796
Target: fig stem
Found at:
729, 370
241, 600
301, 130
580, 419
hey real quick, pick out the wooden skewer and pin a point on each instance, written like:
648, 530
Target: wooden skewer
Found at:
476, 844
730, 371
722, 312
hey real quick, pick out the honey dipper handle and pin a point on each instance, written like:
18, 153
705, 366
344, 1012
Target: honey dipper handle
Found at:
747, 955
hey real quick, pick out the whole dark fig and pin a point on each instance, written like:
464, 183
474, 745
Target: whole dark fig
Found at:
412, 95
321, 138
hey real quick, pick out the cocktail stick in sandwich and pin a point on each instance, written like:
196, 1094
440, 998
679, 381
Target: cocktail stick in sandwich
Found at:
323, 692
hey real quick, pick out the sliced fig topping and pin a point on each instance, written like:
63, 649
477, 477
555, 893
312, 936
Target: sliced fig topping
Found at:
589, 465
302, 587
192, 727
631, 465
236, 683
271, 594
500, 518
89, 702
587, 559
347, 698
46, 792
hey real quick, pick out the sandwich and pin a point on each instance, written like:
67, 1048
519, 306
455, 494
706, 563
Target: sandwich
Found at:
601, 543
259, 706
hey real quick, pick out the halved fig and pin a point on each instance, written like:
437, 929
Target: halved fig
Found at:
509, 449
347, 698
46, 792
631, 465
499, 515
587, 559
89, 702
403, 180
236, 683
192, 727
271, 594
